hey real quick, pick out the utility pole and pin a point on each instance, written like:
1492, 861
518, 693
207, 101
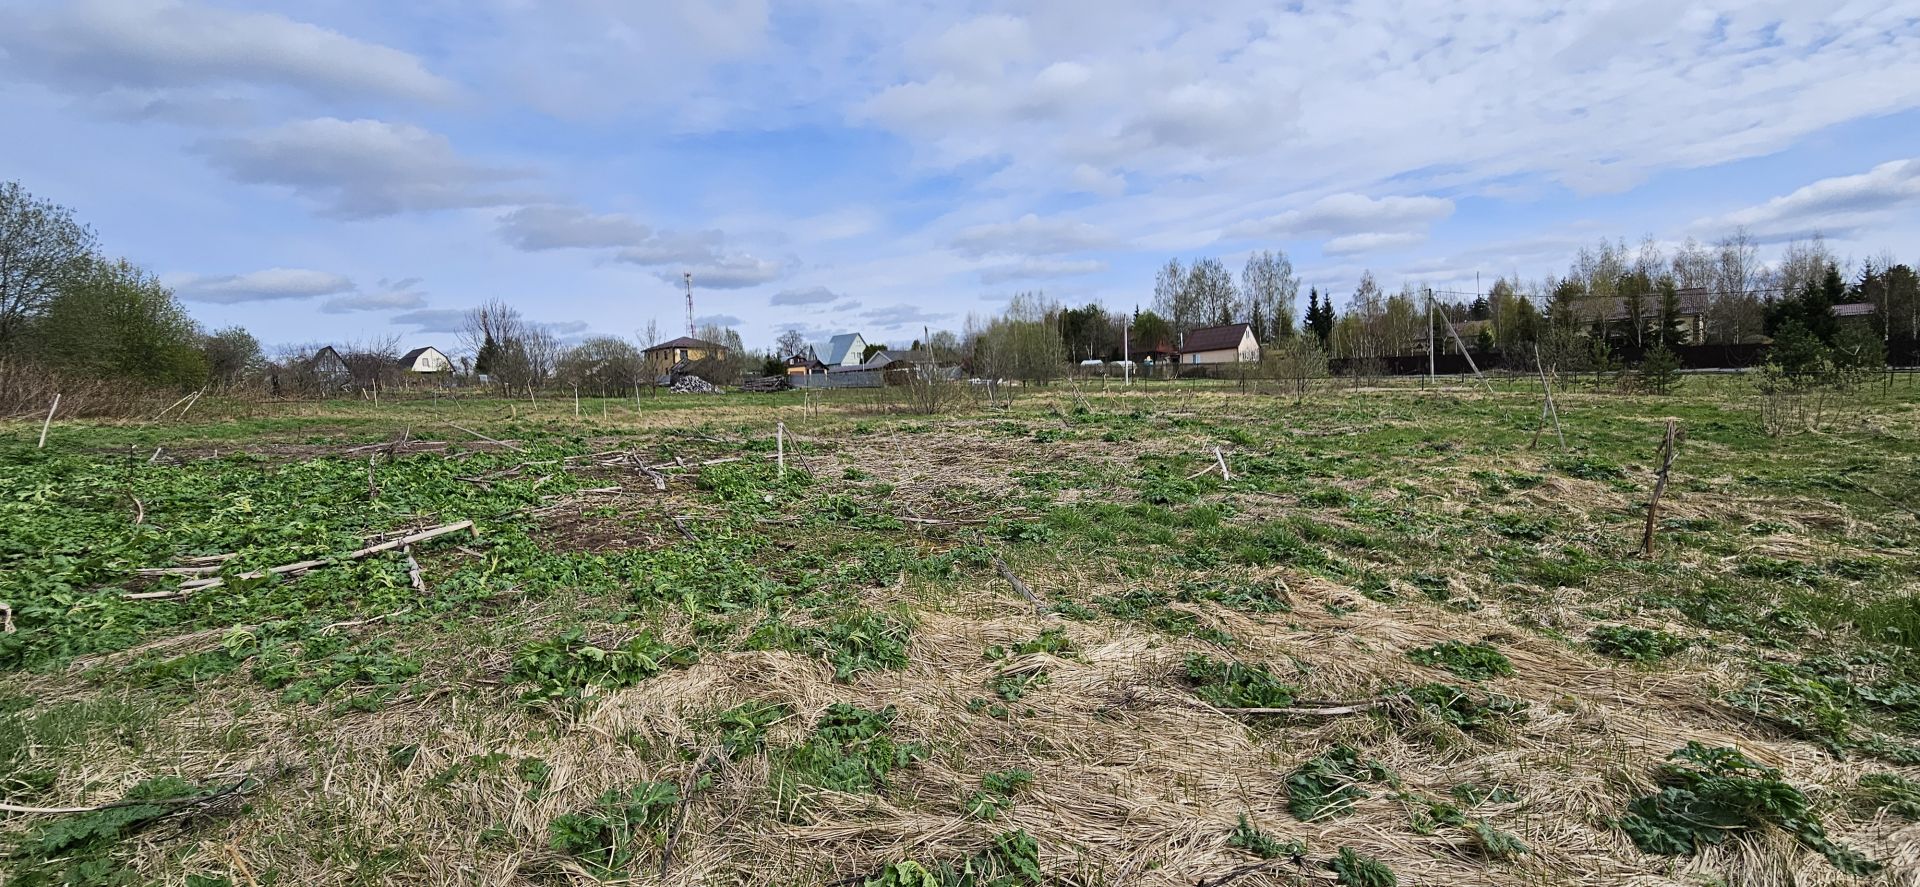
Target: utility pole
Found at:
1429, 335
689, 278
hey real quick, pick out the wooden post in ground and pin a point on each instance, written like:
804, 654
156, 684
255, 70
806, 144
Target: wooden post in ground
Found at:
49, 423
780, 447
576, 401
1547, 408
1669, 447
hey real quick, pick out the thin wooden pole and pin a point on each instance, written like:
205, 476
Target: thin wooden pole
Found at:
576, 401
49, 423
780, 447
1668, 449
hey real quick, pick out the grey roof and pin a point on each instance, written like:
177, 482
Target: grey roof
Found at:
1215, 338
1854, 309
838, 346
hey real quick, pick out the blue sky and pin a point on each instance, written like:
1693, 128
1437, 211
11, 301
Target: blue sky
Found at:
343, 168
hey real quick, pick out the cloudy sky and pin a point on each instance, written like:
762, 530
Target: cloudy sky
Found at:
343, 168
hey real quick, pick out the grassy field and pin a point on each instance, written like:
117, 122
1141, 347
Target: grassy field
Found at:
1397, 644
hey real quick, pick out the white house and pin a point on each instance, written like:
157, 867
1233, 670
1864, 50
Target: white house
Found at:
844, 350
1232, 343
425, 360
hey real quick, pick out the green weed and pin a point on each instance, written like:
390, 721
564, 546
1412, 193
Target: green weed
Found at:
1246, 837
1712, 794
1635, 644
566, 668
1356, 869
850, 751
1233, 685
620, 828
1474, 662
1328, 785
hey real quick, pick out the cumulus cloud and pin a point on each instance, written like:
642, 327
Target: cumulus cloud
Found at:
272, 284
1032, 269
96, 45
361, 168
1834, 206
1030, 235
818, 295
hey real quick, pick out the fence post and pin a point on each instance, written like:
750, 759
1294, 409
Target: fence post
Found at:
780, 447
49, 423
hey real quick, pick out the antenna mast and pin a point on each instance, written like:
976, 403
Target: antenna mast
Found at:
689, 278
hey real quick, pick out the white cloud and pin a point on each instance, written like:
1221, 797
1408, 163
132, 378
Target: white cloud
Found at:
432, 320
1372, 242
559, 226
889, 317
272, 284
1032, 269
95, 45
725, 320
1030, 235
818, 295
361, 168
1343, 214
1836, 206
392, 295
730, 273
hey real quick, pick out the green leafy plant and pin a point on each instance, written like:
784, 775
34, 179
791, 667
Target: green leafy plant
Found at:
85, 848
621, 827
1467, 710
849, 751
1712, 794
1233, 685
1328, 785
1636, 644
853, 641
567, 667
1496, 844
997, 790
1475, 662
743, 728
1356, 869
1247, 837
1891, 792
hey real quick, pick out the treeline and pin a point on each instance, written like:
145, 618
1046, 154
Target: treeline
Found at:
68, 308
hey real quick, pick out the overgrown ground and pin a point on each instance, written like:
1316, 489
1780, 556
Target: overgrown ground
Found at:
826, 677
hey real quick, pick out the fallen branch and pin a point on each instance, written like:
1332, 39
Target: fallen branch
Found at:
198, 585
682, 526
240, 786
490, 440
1006, 573
1329, 711
707, 759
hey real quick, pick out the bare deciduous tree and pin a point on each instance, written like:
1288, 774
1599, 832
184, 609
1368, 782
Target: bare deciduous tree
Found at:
1269, 289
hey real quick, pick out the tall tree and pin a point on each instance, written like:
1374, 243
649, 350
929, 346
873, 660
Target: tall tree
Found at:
1269, 288
1171, 297
114, 320
791, 343
1212, 293
41, 249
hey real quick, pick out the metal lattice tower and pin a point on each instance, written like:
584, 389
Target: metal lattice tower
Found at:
689, 278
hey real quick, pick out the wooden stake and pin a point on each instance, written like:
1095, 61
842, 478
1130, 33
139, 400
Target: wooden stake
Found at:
1668, 449
576, 401
1225, 475
780, 447
45, 425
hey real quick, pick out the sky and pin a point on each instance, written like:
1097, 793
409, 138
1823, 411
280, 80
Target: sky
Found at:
338, 170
